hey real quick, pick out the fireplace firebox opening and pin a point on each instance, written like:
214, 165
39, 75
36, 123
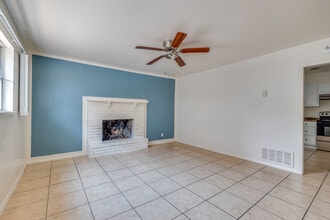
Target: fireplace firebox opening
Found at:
116, 129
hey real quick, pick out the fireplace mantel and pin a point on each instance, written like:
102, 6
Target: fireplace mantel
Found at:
96, 109
106, 99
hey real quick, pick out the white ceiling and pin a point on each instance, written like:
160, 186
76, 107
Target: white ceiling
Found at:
105, 32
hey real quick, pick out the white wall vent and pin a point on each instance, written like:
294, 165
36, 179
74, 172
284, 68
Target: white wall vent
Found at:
279, 156
288, 159
271, 155
264, 153
283, 158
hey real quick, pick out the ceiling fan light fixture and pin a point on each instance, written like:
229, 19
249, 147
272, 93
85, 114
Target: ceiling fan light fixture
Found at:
172, 54
172, 51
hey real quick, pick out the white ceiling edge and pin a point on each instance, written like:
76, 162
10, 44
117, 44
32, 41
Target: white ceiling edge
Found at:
38, 53
322, 62
170, 76
235, 30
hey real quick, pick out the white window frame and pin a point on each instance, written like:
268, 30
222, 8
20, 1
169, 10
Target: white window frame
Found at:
24, 85
20, 62
7, 75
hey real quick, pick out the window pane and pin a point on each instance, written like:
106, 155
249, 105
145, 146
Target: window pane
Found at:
6, 75
0, 94
8, 89
9, 64
2, 62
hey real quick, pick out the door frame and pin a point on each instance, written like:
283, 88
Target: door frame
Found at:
302, 74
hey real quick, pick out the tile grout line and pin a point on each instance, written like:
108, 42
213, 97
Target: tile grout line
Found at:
290, 190
120, 192
316, 194
310, 156
241, 183
264, 197
55, 196
294, 190
50, 177
161, 196
90, 208
168, 177
233, 185
182, 171
222, 190
200, 166
183, 187
146, 162
201, 179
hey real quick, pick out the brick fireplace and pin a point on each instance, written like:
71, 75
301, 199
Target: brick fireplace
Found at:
98, 109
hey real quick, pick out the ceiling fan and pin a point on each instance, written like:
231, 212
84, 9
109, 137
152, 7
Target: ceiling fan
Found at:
172, 51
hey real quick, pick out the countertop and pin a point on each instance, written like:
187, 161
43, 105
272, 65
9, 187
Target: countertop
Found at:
311, 119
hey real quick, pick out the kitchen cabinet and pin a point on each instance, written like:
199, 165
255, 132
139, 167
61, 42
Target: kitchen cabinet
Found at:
324, 88
311, 96
310, 133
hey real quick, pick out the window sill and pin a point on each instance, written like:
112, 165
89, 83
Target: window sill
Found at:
5, 114
23, 114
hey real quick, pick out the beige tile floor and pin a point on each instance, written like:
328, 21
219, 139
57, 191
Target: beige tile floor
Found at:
171, 181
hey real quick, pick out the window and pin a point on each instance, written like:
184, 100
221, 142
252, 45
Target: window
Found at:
6, 75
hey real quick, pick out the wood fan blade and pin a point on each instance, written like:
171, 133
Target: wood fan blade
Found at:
156, 59
195, 50
178, 39
148, 48
180, 61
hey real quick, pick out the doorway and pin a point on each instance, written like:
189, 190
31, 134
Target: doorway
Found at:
316, 118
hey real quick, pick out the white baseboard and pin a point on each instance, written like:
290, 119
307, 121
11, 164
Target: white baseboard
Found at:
12, 188
32, 161
250, 159
163, 141
273, 165
55, 157
81, 153
310, 147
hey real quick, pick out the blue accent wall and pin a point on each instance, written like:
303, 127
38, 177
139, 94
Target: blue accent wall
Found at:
57, 90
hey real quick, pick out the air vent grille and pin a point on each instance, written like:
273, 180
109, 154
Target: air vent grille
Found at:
279, 157
283, 158
264, 153
271, 155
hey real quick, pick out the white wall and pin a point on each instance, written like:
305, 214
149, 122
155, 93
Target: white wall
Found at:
13, 141
223, 109
13, 145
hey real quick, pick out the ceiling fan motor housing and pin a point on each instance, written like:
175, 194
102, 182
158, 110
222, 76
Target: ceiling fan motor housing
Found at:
167, 44
171, 52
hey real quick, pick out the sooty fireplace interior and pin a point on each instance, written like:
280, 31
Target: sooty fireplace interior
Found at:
116, 129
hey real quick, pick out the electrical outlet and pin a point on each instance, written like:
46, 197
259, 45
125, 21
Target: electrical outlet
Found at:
162, 134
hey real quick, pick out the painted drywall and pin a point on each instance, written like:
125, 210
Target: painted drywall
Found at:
57, 90
223, 109
13, 143
322, 77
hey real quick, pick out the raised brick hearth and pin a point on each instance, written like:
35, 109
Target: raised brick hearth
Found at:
96, 109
